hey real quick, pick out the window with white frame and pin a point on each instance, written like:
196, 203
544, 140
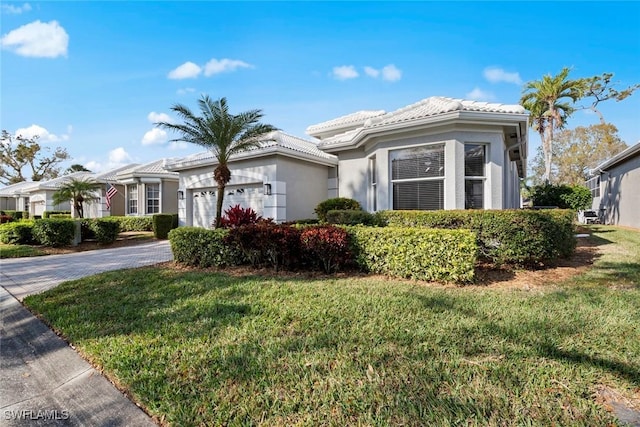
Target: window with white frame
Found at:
417, 177
132, 199
593, 184
153, 198
373, 181
474, 175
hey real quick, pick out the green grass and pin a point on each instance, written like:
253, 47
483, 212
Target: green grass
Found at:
18, 251
203, 348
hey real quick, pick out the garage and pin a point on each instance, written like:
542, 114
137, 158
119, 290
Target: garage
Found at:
204, 202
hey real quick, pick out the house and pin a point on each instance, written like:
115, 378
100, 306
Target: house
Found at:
140, 190
438, 153
614, 187
284, 178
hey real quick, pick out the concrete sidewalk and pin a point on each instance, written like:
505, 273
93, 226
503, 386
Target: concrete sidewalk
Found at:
44, 381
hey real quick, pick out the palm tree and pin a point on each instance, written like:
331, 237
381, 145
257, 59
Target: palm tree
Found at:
223, 133
546, 100
79, 191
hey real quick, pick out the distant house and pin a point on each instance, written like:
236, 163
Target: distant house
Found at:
439, 153
615, 187
140, 190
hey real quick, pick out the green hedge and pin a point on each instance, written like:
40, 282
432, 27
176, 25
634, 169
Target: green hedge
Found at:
201, 247
417, 253
17, 233
133, 223
162, 224
54, 232
351, 217
103, 230
522, 237
16, 215
336, 203
56, 214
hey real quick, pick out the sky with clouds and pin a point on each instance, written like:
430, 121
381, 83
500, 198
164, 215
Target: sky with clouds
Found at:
94, 77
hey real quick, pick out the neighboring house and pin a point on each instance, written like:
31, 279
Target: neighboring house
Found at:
615, 187
439, 153
148, 189
141, 190
284, 179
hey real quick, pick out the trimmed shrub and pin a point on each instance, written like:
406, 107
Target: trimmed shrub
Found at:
504, 236
305, 221
16, 215
17, 232
563, 196
351, 217
54, 232
56, 214
416, 253
162, 225
133, 223
337, 203
103, 230
86, 229
266, 243
199, 247
237, 216
327, 246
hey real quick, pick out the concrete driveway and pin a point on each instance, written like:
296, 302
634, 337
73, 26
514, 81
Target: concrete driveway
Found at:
44, 381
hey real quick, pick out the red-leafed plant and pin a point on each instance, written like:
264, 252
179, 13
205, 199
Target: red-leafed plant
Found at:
265, 243
327, 245
237, 216
5, 219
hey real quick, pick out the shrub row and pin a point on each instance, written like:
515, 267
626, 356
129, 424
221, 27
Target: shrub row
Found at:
56, 214
16, 215
53, 232
17, 233
427, 254
162, 224
352, 217
416, 253
133, 223
336, 203
506, 236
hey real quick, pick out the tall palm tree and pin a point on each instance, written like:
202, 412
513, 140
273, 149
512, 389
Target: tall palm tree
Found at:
549, 102
79, 191
223, 133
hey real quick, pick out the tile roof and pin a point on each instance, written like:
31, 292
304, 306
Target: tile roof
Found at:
354, 119
278, 141
18, 188
111, 175
429, 107
53, 184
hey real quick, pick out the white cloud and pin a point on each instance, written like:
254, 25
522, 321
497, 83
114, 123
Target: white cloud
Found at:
117, 156
478, 94
154, 137
224, 65
37, 39
94, 166
391, 73
371, 72
16, 10
154, 117
497, 75
42, 133
188, 70
185, 91
345, 72
178, 145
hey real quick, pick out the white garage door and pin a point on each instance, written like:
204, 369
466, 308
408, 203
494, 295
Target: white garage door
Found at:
204, 202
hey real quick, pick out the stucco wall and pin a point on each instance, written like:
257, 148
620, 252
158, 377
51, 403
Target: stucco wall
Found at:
169, 197
306, 186
620, 195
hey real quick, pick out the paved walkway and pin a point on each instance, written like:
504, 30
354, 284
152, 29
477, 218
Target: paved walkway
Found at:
43, 381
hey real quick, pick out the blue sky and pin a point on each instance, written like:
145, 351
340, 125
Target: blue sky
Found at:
93, 76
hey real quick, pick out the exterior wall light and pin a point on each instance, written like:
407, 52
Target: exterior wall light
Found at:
267, 189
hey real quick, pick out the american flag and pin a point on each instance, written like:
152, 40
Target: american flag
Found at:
111, 191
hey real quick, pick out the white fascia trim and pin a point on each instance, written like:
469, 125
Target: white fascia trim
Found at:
618, 158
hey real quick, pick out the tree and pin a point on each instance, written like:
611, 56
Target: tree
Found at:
577, 151
19, 152
223, 133
600, 88
546, 101
78, 191
76, 168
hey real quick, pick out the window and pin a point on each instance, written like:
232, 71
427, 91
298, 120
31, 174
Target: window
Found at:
153, 198
593, 184
474, 176
132, 199
373, 180
417, 177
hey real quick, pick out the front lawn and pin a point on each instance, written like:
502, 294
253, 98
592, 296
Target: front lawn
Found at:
19, 251
206, 348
